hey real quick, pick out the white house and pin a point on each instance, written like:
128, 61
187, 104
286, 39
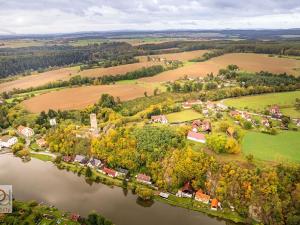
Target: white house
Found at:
25, 131
8, 141
159, 119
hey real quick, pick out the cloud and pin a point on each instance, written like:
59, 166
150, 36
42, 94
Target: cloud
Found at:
61, 16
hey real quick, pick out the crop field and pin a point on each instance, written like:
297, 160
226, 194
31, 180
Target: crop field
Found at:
260, 102
39, 79
281, 147
181, 56
246, 61
185, 115
80, 97
66, 73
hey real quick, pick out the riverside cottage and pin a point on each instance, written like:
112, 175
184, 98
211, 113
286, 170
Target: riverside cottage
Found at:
142, 178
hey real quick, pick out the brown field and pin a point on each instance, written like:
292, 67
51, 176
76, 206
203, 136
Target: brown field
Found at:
181, 56
39, 79
246, 61
98, 72
64, 74
78, 98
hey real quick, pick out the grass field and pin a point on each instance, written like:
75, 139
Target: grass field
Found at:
279, 148
185, 115
246, 61
81, 97
260, 102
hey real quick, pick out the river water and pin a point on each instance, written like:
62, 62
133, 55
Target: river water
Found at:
43, 182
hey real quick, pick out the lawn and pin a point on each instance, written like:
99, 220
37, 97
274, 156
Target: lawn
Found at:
261, 102
281, 147
185, 115
41, 157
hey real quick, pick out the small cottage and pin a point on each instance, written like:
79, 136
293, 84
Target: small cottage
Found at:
159, 119
142, 178
7, 141
201, 197
109, 172
25, 131
81, 159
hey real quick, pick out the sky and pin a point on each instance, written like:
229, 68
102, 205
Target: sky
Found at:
67, 16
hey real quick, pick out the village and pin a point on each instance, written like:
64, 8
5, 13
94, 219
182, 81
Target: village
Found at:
199, 129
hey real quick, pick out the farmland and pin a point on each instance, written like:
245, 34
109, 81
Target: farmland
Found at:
39, 79
261, 102
76, 98
246, 61
281, 147
183, 116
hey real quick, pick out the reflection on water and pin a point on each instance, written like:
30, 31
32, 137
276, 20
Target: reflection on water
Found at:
42, 181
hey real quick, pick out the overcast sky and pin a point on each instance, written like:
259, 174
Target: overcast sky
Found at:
63, 16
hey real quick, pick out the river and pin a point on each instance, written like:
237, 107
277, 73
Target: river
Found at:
43, 182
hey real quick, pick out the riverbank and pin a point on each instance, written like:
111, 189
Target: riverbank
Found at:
34, 213
173, 200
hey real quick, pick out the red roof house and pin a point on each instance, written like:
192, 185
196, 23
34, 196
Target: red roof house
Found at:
201, 197
109, 172
142, 178
214, 204
198, 137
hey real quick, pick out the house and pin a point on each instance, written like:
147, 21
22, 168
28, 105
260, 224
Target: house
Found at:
298, 122
67, 159
198, 137
142, 178
1, 102
265, 122
221, 106
75, 217
214, 204
189, 104
7, 141
274, 110
159, 119
94, 163
206, 126
164, 195
52, 122
205, 112
201, 197
25, 131
41, 142
186, 191
121, 172
210, 105
196, 125
80, 159
246, 116
109, 172
234, 113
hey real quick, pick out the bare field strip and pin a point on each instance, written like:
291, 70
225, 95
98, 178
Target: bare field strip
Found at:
64, 74
181, 56
246, 61
39, 79
78, 98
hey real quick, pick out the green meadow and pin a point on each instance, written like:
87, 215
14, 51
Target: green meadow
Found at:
284, 146
185, 115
